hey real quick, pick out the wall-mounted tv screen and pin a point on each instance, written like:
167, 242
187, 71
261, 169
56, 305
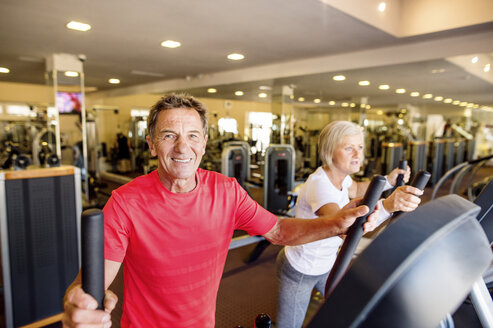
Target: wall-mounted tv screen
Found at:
69, 102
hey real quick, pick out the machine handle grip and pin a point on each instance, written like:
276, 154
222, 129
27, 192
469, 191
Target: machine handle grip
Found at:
92, 247
400, 178
355, 232
421, 179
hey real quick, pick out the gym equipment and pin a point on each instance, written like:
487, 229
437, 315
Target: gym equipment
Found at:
391, 155
21, 162
425, 253
39, 225
278, 177
246, 147
417, 156
52, 160
460, 150
355, 232
278, 182
448, 154
470, 149
464, 168
92, 244
485, 216
400, 178
480, 297
263, 321
234, 163
435, 160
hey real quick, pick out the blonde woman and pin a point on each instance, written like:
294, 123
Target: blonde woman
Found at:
328, 189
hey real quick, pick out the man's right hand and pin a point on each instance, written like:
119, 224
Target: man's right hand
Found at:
80, 309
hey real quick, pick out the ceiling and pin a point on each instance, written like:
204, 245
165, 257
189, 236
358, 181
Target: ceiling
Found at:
300, 43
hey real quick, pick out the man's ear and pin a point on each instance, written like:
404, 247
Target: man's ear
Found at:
151, 145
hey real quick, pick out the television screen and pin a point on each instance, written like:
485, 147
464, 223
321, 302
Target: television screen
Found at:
69, 102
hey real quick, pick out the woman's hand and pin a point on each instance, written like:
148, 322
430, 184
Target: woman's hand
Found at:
392, 177
404, 198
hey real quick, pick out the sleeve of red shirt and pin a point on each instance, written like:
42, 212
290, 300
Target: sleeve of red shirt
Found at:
250, 216
116, 229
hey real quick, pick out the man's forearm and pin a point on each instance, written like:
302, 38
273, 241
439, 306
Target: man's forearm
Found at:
291, 231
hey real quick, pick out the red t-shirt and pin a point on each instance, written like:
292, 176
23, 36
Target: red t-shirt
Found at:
174, 246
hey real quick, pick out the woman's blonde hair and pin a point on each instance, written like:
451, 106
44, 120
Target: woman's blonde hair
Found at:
331, 136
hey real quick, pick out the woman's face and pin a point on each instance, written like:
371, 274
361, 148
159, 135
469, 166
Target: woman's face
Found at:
348, 155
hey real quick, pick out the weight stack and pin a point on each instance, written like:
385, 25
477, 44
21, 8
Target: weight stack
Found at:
417, 156
391, 155
435, 160
39, 223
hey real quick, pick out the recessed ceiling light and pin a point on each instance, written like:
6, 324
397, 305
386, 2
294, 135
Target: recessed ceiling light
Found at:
71, 74
316, 101
381, 6
170, 44
368, 106
448, 100
428, 96
486, 68
239, 93
438, 70
265, 87
475, 59
338, 77
211, 90
400, 90
456, 102
262, 95
414, 94
463, 104
470, 104
345, 104
235, 56
4, 70
144, 73
476, 106
364, 83
379, 112
384, 86
301, 99
78, 26
352, 105
114, 81
332, 102
438, 98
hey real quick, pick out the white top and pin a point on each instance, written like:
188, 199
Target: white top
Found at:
318, 257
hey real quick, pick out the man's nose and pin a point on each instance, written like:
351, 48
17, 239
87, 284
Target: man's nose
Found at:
181, 144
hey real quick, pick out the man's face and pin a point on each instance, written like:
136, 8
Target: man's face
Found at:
179, 144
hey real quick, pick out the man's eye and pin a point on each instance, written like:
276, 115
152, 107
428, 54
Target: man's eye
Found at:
168, 136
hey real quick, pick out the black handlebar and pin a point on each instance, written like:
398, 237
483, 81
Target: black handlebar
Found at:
474, 161
92, 247
355, 232
400, 178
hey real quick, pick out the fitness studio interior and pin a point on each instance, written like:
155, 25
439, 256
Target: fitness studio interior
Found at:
392, 99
